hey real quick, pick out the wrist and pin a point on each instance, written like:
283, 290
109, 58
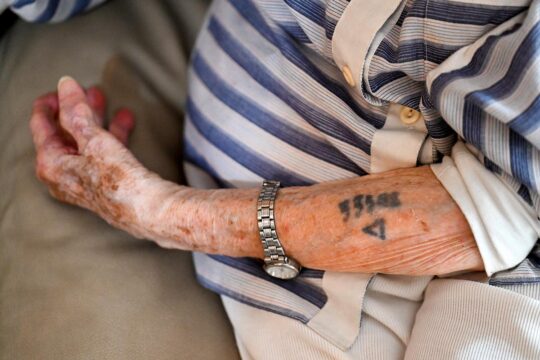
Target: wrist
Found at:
210, 221
230, 219
154, 200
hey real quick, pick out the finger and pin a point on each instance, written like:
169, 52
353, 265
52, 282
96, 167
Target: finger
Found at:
42, 125
97, 102
76, 115
122, 125
51, 100
47, 105
50, 156
48, 140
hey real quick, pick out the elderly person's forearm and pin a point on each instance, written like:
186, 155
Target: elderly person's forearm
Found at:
399, 222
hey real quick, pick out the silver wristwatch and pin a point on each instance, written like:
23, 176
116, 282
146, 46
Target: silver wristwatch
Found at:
277, 264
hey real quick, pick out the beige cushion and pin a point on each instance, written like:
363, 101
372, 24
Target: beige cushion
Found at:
71, 286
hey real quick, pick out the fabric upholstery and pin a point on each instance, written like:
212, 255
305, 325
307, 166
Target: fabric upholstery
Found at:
71, 286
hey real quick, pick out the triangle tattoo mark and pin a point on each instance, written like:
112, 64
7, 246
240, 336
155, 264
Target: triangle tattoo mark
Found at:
377, 229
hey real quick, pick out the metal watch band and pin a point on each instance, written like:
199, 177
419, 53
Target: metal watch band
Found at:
273, 251
277, 264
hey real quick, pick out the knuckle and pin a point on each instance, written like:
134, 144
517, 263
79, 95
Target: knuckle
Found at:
43, 173
82, 110
76, 117
57, 194
78, 123
44, 170
99, 143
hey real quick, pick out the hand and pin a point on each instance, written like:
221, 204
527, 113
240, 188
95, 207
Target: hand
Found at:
424, 233
84, 164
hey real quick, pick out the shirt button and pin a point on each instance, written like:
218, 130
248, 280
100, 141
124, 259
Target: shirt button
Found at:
409, 116
347, 74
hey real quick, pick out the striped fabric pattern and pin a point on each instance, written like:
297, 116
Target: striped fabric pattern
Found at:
245, 281
493, 101
427, 33
41, 11
266, 101
528, 272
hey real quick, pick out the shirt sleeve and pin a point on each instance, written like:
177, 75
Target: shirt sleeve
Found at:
489, 93
53, 11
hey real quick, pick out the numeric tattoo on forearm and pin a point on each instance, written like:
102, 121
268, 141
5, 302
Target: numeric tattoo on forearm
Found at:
377, 229
368, 203
345, 208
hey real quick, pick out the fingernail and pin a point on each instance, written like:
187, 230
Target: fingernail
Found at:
64, 78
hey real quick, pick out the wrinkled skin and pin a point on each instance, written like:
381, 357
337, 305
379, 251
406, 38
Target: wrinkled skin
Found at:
83, 163
399, 222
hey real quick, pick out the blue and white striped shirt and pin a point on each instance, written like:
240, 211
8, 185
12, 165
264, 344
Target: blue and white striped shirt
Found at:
265, 75
41, 11
322, 84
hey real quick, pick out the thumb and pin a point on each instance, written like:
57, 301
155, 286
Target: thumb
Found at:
76, 115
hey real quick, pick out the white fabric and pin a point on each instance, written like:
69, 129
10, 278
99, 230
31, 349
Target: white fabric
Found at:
426, 155
339, 320
390, 305
467, 320
474, 321
356, 30
409, 139
384, 153
273, 336
504, 226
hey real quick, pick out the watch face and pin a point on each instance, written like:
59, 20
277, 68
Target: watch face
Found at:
281, 271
